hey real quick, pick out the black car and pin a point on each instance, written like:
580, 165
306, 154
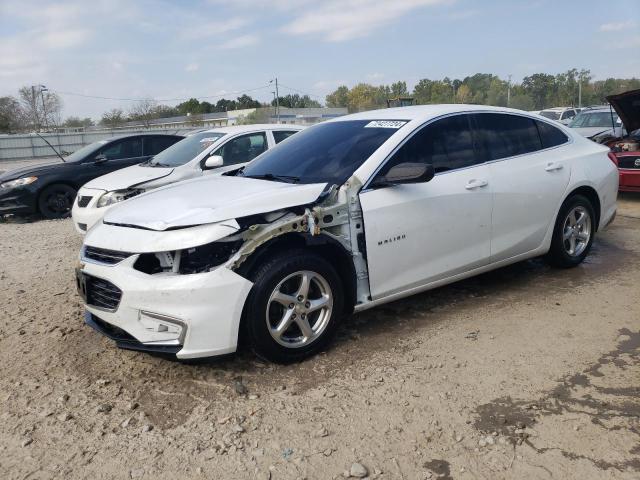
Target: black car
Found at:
51, 189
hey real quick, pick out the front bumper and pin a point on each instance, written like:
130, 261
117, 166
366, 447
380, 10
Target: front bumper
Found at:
207, 306
20, 200
86, 217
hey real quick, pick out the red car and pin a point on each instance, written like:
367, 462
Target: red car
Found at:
625, 151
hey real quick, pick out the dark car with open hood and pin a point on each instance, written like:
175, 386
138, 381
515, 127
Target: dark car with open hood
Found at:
50, 189
625, 149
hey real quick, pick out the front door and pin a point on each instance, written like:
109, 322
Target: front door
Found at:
421, 233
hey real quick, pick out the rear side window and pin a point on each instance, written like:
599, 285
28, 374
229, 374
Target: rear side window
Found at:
550, 135
280, 135
505, 135
447, 144
154, 145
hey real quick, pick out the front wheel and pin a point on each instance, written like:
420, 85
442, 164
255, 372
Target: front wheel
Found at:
294, 307
56, 201
573, 232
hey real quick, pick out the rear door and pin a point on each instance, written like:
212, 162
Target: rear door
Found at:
154, 144
113, 156
529, 173
423, 232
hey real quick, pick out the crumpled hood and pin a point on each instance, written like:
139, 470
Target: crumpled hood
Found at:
627, 106
209, 200
128, 177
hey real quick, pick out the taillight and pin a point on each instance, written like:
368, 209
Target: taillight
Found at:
613, 158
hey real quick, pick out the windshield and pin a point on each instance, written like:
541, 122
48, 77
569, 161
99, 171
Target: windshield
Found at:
594, 119
325, 153
185, 150
550, 114
84, 152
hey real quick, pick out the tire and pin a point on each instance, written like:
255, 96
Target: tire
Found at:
573, 232
56, 201
277, 298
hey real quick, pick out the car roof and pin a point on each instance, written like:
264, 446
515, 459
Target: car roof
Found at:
423, 112
250, 128
557, 109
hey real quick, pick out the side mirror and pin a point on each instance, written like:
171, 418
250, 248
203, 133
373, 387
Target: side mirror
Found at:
213, 161
100, 158
407, 172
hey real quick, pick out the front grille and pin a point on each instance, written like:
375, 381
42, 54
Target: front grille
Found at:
102, 293
629, 162
83, 200
102, 255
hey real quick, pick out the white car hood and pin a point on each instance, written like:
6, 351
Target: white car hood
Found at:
128, 177
210, 200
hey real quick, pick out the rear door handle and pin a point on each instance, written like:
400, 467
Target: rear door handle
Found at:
551, 166
473, 184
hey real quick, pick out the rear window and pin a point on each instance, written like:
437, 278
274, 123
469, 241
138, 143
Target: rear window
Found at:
550, 114
280, 135
594, 119
550, 135
505, 135
154, 145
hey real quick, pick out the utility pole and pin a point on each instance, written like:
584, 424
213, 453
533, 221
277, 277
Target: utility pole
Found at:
509, 91
277, 100
34, 107
44, 107
580, 92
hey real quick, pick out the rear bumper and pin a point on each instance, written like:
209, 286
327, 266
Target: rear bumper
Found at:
629, 180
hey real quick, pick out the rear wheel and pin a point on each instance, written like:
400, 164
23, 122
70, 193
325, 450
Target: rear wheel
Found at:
56, 201
573, 232
294, 307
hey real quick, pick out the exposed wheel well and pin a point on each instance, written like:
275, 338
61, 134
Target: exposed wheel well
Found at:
323, 245
592, 196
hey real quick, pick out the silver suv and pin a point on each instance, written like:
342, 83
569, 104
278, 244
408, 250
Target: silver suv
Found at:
594, 121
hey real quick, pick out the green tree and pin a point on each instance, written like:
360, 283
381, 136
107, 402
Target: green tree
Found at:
541, 87
113, 118
339, 97
77, 122
11, 115
399, 89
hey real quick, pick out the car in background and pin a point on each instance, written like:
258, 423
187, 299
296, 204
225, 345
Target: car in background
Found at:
50, 189
202, 152
593, 121
625, 149
563, 115
349, 214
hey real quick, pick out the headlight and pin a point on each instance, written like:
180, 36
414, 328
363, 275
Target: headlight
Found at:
191, 260
18, 182
116, 196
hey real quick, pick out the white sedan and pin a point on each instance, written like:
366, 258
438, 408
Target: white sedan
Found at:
200, 153
346, 215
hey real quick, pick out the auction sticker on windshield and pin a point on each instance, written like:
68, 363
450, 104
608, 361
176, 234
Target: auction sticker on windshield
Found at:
385, 124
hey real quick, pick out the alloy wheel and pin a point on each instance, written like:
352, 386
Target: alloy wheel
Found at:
576, 231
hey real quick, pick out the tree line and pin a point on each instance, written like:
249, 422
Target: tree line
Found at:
535, 92
36, 109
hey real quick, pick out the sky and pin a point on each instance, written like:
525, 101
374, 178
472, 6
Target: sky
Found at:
171, 50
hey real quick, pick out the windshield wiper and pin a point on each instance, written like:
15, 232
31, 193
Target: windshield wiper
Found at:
278, 178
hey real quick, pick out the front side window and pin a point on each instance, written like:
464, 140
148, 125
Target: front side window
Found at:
594, 119
243, 149
505, 135
447, 144
185, 150
325, 153
154, 145
129, 148
280, 135
568, 114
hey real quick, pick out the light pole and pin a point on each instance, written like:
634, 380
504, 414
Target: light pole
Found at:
509, 91
44, 107
277, 100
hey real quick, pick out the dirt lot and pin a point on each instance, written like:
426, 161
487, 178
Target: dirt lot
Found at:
526, 372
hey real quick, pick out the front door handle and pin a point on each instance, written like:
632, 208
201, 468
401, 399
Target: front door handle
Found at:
473, 184
551, 166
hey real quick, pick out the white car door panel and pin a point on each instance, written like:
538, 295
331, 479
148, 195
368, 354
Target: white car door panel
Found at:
420, 233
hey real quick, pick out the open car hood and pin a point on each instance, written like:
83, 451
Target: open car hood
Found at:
128, 177
627, 106
209, 200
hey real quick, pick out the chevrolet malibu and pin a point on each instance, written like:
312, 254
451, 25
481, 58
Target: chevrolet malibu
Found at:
344, 216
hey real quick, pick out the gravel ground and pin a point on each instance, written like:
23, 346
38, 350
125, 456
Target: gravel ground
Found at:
526, 372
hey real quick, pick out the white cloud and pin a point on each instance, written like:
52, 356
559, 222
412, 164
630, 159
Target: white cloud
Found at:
341, 20
617, 26
192, 67
213, 29
239, 42
64, 38
375, 76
